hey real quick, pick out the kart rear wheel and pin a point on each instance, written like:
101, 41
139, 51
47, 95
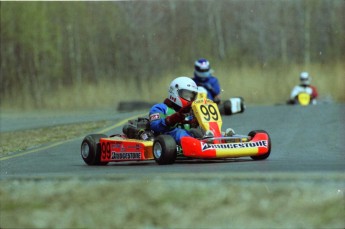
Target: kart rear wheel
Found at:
243, 107
266, 155
227, 107
90, 149
164, 150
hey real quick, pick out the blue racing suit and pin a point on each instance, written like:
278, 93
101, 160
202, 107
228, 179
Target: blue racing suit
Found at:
157, 116
210, 83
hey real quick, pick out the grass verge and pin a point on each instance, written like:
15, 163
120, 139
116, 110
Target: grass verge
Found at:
165, 201
25, 139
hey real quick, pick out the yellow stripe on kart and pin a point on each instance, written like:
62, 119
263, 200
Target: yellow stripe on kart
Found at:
241, 152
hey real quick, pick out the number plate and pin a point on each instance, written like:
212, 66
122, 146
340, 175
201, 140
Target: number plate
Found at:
207, 114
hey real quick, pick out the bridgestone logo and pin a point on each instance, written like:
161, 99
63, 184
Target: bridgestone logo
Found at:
206, 146
125, 156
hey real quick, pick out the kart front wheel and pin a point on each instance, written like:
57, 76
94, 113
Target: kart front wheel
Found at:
90, 149
266, 155
164, 150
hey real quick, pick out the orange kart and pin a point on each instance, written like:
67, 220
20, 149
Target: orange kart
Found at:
139, 144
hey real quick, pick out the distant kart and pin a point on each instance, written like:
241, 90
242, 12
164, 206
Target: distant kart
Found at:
303, 99
137, 143
230, 106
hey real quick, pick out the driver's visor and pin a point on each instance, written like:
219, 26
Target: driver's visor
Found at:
187, 94
202, 69
305, 81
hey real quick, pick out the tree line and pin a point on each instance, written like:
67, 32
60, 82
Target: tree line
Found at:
47, 45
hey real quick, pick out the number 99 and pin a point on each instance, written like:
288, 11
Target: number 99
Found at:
209, 112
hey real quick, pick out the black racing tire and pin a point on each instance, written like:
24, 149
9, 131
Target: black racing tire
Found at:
196, 132
266, 155
243, 107
90, 149
164, 150
227, 107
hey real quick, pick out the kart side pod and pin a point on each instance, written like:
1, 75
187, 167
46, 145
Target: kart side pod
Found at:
258, 148
98, 149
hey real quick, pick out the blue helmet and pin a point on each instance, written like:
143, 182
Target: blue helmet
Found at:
202, 68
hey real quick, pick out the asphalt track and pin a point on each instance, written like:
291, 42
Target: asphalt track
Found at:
304, 140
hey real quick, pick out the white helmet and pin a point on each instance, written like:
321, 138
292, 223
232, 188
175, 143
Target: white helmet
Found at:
182, 91
304, 78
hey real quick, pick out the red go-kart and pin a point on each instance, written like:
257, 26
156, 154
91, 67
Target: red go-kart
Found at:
138, 143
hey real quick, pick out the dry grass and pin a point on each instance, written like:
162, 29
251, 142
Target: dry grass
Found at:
191, 201
257, 84
272, 85
20, 140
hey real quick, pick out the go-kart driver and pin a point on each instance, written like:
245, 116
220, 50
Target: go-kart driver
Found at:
304, 86
203, 77
165, 117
